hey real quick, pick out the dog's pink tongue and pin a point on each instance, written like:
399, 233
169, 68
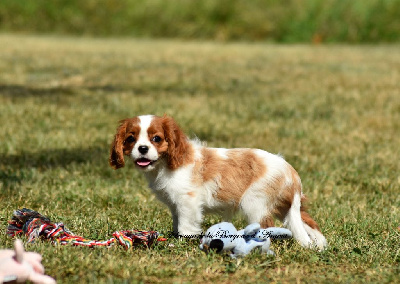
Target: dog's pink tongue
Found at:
143, 163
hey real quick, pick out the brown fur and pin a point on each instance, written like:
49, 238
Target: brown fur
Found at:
119, 147
284, 199
284, 193
267, 222
281, 195
233, 174
156, 129
306, 217
179, 151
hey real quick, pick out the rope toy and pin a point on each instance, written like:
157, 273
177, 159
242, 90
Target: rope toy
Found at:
34, 226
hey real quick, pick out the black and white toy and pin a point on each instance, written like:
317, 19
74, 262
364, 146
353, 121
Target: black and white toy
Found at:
223, 237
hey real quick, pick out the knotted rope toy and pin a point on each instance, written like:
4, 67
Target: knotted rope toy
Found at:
34, 226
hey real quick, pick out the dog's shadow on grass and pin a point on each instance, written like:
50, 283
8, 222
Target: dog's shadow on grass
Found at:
20, 91
56, 93
16, 167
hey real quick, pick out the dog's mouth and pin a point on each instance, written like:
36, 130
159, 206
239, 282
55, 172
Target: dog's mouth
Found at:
143, 162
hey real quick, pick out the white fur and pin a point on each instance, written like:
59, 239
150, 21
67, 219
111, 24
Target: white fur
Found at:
294, 223
304, 234
143, 140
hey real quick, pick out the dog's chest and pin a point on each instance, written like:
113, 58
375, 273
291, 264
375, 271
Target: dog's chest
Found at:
167, 181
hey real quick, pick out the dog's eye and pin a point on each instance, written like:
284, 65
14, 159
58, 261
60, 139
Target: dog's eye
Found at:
156, 139
130, 139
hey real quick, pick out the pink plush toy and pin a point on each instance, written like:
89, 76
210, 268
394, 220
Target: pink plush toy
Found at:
20, 266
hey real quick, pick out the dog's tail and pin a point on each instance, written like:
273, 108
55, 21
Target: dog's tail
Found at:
305, 230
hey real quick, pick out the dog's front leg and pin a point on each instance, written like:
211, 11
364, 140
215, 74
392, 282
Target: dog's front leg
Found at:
189, 219
174, 215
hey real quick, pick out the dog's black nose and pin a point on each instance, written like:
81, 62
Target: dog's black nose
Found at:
143, 149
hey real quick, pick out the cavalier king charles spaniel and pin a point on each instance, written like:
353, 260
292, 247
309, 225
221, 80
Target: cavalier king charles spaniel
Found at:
192, 179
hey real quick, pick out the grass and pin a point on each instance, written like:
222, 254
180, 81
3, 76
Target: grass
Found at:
225, 20
332, 111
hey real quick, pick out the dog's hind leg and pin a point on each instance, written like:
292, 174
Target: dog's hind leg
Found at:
256, 210
312, 229
305, 230
294, 223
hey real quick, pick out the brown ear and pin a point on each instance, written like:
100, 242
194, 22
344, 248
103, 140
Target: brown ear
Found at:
116, 159
178, 145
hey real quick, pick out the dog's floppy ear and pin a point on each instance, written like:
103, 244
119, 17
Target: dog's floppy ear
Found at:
177, 143
116, 159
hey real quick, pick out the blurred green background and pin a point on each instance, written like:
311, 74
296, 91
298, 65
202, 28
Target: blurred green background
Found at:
357, 21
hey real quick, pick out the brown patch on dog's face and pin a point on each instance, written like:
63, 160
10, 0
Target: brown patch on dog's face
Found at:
131, 136
179, 151
124, 141
157, 135
233, 174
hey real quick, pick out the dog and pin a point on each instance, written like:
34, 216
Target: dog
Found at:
192, 179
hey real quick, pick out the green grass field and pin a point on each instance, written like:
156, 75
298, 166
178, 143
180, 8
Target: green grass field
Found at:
333, 111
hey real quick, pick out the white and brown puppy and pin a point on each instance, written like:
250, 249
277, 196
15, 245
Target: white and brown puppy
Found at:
192, 179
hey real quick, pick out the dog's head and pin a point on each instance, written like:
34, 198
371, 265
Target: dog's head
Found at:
148, 139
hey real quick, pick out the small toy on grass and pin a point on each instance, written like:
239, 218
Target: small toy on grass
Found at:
34, 225
223, 237
20, 266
